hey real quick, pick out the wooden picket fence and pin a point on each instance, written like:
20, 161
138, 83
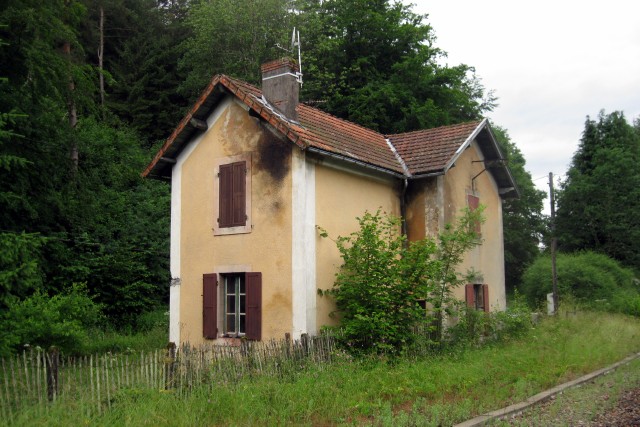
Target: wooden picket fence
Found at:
36, 380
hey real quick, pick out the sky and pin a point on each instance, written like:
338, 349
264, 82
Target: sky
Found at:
550, 63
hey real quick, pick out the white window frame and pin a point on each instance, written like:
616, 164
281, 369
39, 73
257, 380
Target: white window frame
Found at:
237, 312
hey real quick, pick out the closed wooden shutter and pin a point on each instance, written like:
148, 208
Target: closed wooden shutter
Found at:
210, 305
239, 184
232, 195
225, 189
485, 295
470, 296
254, 306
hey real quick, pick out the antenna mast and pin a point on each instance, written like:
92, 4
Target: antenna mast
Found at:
295, 42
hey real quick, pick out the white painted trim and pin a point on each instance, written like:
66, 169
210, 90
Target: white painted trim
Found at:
310, 247
176, 224
303, 246
465, 144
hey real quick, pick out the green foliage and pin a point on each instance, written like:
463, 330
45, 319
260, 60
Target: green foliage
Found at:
61, 321
435, 390
234, 38
383, 277
595, 280
19, 266
375, 63
523, 221
598, 204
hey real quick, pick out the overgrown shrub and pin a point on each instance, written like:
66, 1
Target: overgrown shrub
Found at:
383, 277
62, 320
473, 327
593, 279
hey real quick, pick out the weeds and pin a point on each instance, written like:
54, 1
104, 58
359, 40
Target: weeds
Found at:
451, 386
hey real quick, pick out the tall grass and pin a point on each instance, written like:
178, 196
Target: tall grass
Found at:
438, 390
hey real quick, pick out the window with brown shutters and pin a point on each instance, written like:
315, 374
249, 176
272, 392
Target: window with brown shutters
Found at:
232, 195
240, 306
477, 296
473, 202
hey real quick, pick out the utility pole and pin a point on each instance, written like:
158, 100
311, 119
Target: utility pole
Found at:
554, 244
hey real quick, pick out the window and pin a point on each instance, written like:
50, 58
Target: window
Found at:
235, 302
232, 191
477, 296
473, 202
240, 305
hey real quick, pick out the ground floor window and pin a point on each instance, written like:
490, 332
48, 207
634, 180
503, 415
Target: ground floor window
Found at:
232, 305
235, 301
477, 296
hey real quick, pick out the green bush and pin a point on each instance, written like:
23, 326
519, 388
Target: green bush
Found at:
593, 279
62, 321
383, 277
474, 327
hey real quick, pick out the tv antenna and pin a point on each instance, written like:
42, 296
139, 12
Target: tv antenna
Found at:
295, 43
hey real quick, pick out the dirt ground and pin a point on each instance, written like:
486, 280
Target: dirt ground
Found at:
625, 413
612, 400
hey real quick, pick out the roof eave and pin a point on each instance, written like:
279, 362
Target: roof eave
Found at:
262, 109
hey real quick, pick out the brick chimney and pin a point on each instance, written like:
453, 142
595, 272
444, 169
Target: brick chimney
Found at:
280, 87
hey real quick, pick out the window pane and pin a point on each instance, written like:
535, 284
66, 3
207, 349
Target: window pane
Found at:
241, 279
231, 304
242, 304
231, 322
242, 324
231, 289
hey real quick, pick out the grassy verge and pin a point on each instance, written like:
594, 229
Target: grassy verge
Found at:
437, 390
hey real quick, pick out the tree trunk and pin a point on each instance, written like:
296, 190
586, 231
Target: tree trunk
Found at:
101, 56
71, 108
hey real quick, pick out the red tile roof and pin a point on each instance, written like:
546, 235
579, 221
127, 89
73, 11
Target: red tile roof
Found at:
409, 154
329, 133
431, 150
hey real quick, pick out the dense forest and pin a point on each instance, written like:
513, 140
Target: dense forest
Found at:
90, 88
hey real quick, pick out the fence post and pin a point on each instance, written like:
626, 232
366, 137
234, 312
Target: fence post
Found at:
170, 366
304, 340
52, 359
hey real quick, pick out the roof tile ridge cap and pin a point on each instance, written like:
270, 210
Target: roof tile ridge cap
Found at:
399, 158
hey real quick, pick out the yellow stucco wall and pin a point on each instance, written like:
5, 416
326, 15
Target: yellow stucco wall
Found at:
341, 197
488, 258
341, 192
266, 249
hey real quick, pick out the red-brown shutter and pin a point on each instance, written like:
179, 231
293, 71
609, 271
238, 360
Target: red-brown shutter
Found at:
485, 296
473, 203
232, 195
239, 187
210, 305
253, 329
225, 190
470, 296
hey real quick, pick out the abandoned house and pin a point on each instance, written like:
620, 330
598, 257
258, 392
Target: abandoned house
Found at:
252, 173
